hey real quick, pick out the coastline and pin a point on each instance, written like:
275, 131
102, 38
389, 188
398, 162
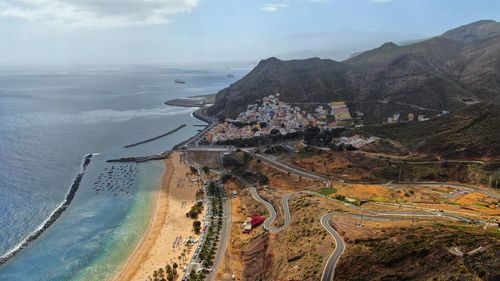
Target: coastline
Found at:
131, 267
55, 214
140, 252
168, 224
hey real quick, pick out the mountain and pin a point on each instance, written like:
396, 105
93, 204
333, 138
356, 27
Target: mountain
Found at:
473, 32
468, 132
337, 45
435, 74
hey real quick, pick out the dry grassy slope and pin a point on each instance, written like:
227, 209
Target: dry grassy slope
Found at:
301, 250
470, 132
356, 167
297, 253
421, 253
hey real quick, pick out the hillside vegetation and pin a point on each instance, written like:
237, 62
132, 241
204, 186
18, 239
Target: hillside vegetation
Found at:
434, 74
423, 253
470, 132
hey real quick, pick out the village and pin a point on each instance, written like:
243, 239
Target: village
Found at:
273, 117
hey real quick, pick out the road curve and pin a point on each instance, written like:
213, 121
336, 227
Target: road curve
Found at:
329, 270
285, 167
340, 246
288, 168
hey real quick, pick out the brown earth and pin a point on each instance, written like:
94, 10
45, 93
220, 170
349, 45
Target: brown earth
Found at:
421, 252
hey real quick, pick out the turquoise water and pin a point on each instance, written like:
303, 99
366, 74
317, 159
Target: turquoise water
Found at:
125, 238
49, 119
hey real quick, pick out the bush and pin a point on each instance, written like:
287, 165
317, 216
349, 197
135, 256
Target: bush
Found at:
196, 209
205, 169
327, 191
226, 177
193, 170
197, 227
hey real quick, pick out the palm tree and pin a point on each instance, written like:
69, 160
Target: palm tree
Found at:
168, 269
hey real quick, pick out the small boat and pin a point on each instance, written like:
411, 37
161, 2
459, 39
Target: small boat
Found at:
178, 81
230, 75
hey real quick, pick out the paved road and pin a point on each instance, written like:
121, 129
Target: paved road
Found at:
401, 160
329, 269
225, 231
340, 246
223, 241
286, 167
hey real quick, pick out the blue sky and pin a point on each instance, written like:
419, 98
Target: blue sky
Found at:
189, 31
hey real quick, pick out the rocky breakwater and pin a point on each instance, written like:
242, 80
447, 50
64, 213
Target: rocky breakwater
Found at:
157, 137
54, 216
141, 159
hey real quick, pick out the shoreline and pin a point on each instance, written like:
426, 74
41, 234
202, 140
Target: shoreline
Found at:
54, 215
139, 255
131, 265
168, 224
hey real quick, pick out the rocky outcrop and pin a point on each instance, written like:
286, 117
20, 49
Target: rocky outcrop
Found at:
432, 74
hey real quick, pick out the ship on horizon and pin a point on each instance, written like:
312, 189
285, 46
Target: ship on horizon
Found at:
179, 81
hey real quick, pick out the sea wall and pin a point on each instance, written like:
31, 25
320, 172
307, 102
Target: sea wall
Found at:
55, 215
155, 138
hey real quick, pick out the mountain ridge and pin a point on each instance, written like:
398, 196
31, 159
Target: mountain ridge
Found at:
436, 74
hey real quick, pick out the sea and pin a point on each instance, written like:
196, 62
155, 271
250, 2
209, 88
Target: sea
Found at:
50, 118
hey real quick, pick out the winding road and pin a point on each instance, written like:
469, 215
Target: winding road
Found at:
334, 258
288, 168
329, 270
340, 246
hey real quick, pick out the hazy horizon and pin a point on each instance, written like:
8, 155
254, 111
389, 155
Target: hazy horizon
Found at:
187, 32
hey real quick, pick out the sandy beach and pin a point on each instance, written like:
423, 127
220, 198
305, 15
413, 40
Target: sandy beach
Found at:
164, 240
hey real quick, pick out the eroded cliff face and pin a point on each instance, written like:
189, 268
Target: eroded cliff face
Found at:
256, 258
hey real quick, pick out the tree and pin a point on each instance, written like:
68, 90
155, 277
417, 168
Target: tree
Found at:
197, 227
351, 148
226, 177
205, 169
193, 170
193, 276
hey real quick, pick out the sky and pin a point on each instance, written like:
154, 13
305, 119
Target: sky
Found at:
202, 31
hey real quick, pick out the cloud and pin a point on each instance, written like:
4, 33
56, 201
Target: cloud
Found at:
273, 7
95, 13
